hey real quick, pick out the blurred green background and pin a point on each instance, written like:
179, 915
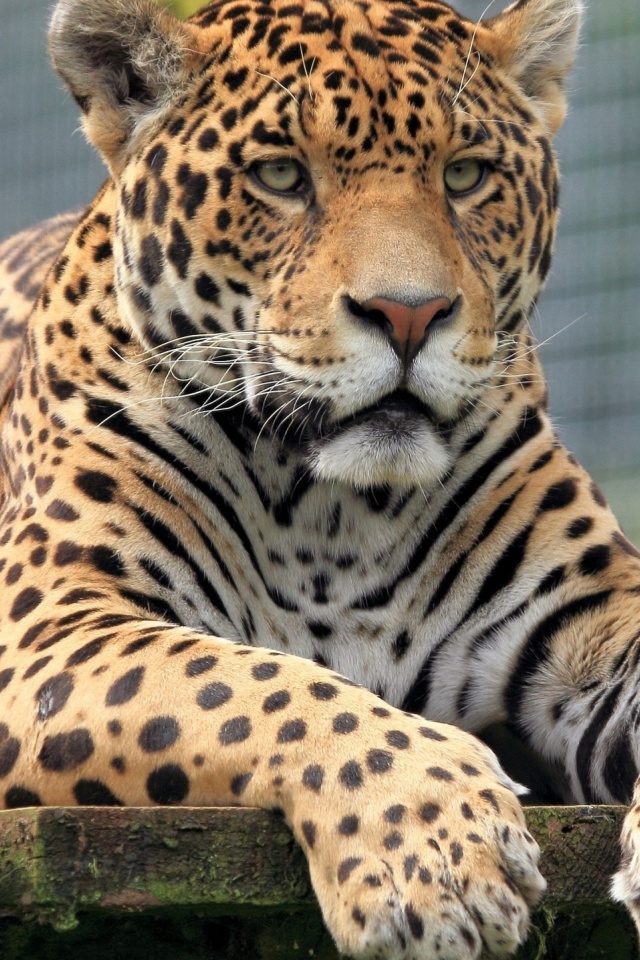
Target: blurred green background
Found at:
593, 365
183, 8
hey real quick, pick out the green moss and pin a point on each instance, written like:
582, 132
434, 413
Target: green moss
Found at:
179, 935
580, 933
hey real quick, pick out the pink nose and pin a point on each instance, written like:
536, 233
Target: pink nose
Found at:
406, 326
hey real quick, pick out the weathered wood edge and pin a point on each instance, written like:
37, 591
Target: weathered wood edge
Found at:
56, 862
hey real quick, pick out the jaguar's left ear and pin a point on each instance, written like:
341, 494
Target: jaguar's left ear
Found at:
537, 41
125, 62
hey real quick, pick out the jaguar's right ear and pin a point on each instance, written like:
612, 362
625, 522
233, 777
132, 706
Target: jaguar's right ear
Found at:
124, 61
537, 46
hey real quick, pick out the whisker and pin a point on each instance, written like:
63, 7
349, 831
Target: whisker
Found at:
241, 341
462, 86
308, 72
543, 343
281, 85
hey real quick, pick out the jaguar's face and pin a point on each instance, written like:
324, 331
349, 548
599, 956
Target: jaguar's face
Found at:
336, 223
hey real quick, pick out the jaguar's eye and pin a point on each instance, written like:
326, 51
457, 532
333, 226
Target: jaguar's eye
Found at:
280, 176
463, 176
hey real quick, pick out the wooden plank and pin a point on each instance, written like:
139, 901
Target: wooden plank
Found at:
74, 876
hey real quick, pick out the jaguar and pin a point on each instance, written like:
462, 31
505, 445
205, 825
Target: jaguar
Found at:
284, 520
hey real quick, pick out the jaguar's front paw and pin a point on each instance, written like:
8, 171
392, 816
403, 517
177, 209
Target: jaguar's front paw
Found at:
419, 850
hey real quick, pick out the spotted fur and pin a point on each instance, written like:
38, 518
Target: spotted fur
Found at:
271, 457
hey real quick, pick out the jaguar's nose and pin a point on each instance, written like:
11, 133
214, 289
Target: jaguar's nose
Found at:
407, 326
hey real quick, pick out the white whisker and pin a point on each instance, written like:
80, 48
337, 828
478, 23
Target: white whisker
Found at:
281, 85
463, 85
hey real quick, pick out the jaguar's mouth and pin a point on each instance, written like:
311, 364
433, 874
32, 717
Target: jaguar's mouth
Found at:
397, 411
395, 440
396, 414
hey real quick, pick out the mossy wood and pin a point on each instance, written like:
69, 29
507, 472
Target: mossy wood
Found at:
231, 884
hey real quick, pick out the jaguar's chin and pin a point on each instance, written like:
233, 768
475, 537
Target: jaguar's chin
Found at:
394, 442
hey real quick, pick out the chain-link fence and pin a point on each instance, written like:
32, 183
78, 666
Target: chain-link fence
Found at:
590, 313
